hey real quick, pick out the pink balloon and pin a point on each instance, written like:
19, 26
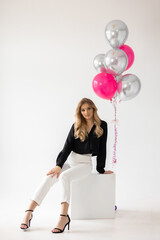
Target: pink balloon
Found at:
104, 85
130, 54
119, 86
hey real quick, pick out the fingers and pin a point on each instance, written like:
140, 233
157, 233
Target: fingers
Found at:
53, 172
108, 172
50, 172
58, 175
53, 175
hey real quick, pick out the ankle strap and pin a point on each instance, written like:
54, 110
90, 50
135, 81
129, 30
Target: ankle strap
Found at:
64, 215
29, 210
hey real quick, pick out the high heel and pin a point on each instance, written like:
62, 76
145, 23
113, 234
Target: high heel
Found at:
29, 220
65, 225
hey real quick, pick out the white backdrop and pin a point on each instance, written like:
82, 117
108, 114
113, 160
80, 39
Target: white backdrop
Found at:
46, 66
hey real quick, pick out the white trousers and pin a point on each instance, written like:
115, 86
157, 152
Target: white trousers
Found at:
78, 166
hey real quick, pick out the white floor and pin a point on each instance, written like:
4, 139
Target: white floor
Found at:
129, 224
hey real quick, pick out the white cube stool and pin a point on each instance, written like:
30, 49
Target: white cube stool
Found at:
93, 197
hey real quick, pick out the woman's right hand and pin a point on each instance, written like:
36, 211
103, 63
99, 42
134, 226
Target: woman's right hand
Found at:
54, 171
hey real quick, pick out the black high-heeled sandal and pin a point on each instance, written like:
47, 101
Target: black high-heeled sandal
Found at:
65, 225
28, 222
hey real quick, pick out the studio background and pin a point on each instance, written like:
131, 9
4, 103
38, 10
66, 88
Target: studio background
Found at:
46, 66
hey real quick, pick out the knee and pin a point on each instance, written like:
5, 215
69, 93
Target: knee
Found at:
50, 179
47, 179
63, 177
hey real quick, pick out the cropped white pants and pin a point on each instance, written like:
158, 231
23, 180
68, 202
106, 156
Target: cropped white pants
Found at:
78, 166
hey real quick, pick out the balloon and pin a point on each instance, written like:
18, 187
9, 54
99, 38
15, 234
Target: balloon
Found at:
130, 54
131, 86
116, 33
104, 85
115, 61
98, 63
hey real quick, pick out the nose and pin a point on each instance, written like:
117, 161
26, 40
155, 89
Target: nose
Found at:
87, 113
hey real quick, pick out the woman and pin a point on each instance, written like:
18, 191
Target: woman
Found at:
87, 137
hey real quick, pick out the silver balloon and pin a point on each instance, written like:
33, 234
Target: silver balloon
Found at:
115, 61
116, 33
98, 63
129, 87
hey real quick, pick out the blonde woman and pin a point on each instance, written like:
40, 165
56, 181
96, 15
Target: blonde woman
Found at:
86, 138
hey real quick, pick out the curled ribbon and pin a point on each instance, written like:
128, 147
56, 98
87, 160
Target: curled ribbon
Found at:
116, 122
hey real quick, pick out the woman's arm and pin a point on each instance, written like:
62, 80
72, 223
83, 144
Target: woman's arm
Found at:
63, 155
101, 157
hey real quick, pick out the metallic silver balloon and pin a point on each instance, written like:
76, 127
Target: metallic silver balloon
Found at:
116, 33
130, 86
115, 61
98, 63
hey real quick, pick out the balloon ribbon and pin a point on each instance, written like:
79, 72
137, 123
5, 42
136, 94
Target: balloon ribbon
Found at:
116, 122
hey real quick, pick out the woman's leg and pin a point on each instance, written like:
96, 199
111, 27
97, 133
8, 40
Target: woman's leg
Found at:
74, 173
40, 194
27, 216
62, 220
46, 184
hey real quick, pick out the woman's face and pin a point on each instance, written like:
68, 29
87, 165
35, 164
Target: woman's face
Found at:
87, 111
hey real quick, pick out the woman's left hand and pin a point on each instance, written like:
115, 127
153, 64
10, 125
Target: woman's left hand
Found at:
108, 172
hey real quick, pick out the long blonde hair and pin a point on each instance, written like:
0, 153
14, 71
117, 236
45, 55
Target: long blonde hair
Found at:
80, 130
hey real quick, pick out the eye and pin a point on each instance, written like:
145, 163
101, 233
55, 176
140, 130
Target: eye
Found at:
89, 108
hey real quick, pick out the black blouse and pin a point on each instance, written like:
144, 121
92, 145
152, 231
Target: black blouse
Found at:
92, 144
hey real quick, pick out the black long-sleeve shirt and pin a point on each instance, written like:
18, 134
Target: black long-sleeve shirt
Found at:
92, 144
